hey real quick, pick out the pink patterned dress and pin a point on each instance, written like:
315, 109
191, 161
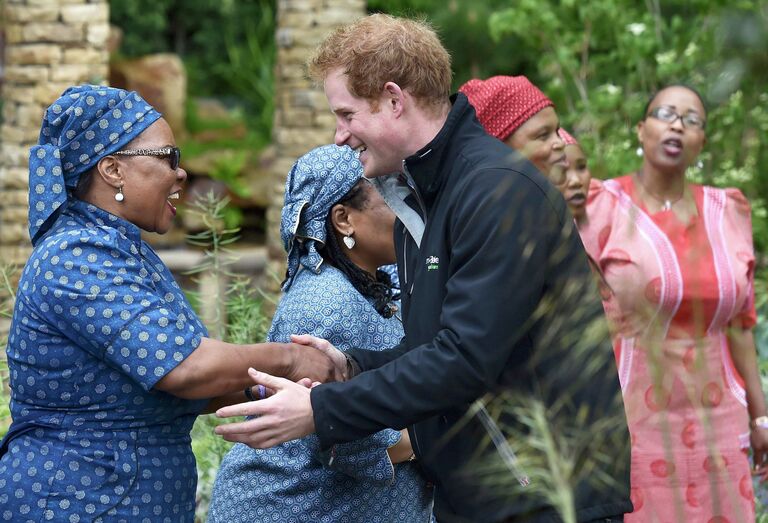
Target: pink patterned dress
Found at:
671, 289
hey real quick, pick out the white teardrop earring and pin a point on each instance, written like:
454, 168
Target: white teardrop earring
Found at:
120, 196
639, 151
700, 164
349, 241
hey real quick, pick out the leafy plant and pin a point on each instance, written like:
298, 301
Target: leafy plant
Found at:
241, 319
214, 239
228, 47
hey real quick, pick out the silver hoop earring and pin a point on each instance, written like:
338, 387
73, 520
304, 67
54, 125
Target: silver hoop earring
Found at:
349, 241
639, 151
120, 196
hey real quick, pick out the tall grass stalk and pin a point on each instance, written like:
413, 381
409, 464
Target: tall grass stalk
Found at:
239, 318
213, 271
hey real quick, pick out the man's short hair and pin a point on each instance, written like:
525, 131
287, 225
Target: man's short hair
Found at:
380, 48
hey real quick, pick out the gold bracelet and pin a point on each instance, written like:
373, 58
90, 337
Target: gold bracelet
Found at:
759, 422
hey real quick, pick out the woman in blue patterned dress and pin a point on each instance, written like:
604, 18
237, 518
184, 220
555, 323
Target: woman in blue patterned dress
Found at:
334, 292
109, 365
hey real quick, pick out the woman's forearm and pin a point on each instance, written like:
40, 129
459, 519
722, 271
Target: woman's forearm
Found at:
217, 368
402, 450
744, 355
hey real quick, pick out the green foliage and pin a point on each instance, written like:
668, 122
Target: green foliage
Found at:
243, 320
227, 46
463, 28
246, 323
601, 75
214, 239
601, 60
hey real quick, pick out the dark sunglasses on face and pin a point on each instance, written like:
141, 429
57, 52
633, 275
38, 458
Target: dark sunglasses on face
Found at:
172, 153
667, 114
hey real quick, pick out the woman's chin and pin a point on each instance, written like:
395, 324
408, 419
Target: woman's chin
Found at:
578, 212
163, 230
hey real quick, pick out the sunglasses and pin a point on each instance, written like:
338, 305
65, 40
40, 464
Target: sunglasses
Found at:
172, 153
667, 114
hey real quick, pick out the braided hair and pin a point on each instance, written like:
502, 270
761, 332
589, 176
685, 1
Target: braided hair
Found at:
377, 287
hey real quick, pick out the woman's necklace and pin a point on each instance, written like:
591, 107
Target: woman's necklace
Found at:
666, 203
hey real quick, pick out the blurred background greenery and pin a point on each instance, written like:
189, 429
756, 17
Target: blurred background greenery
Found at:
599, 60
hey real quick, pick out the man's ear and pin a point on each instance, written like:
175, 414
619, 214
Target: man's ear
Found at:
395, 98
108, 169
340, 219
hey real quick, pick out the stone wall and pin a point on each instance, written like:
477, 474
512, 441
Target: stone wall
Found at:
49, 45
302, 117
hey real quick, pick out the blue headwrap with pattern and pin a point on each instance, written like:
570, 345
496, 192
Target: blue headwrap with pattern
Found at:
85, 124
316, 182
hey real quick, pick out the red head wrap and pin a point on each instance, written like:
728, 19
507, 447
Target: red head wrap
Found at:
566, 137
504, 103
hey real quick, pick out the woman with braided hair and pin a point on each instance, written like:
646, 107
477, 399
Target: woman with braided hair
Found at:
337, 232
366, 277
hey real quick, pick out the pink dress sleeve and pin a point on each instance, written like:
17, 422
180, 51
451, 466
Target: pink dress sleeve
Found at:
595, 231
739, 224
601, 206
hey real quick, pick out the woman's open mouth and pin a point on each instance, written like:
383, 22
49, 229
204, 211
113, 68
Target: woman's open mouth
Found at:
173, 196
577, 199
672, 146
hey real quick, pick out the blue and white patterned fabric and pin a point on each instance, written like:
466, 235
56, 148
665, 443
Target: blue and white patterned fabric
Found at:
289, 483
86, 123
316, 182
98, 321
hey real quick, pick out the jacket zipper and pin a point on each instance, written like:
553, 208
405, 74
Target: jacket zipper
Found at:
412, 187
405, 258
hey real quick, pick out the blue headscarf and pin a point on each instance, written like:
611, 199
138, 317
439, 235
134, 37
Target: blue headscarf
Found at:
316, 182
85, 124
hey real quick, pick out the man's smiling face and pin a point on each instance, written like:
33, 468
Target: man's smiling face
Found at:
366, 126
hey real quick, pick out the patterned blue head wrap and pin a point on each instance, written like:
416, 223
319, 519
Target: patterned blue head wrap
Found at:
317, 181
85, 124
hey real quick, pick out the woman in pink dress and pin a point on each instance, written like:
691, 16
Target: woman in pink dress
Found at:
678, 262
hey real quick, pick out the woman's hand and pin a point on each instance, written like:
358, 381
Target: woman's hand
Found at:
307, 361
402, 450
758, 439
325, 347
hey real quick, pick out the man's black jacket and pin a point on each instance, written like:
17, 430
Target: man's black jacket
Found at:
498, 303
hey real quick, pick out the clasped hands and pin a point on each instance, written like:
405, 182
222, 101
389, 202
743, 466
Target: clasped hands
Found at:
286, 414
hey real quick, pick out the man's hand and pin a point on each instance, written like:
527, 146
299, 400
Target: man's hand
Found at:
284, 416
335, 355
